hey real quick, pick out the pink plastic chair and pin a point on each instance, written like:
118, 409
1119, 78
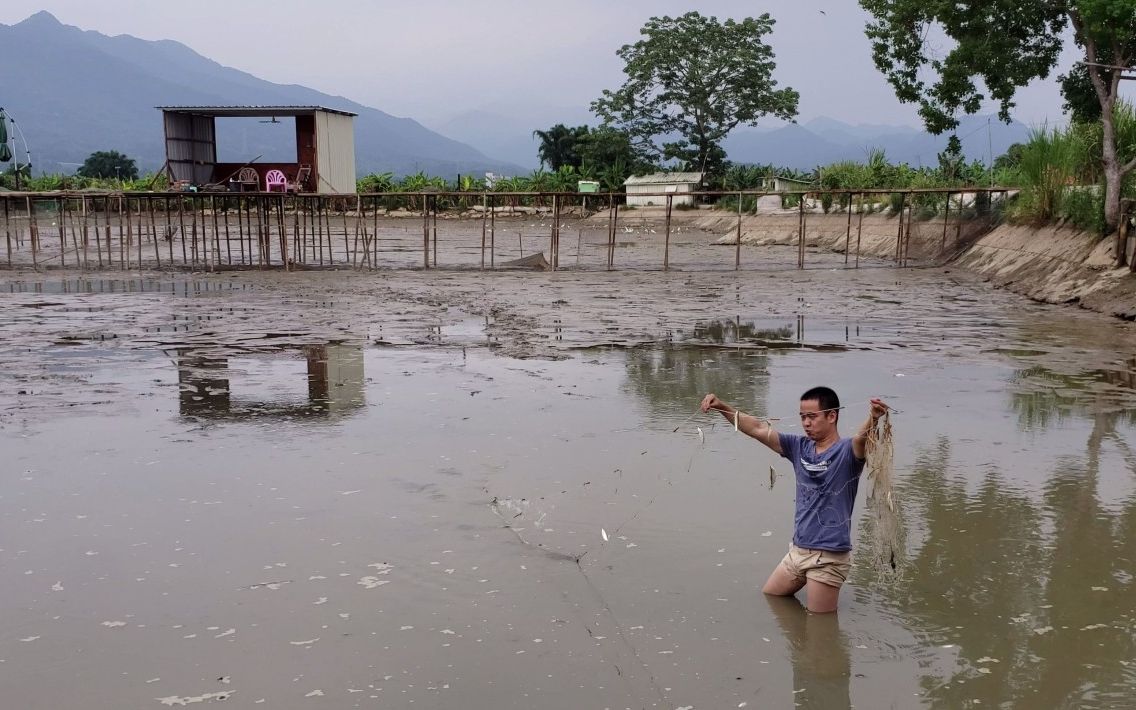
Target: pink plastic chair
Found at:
275, 181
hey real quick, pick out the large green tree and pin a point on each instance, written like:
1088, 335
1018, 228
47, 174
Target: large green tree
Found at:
691, 80
558, 146
950, 56
109, 164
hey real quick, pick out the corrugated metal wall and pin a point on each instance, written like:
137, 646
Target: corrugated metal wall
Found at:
637, 194
335, 153
191, 147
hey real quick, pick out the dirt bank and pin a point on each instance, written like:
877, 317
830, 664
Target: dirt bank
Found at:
1048, 264
1055, 265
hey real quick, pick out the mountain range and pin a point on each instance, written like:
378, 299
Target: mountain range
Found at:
75, 92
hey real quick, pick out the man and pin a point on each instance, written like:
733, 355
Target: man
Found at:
828, 471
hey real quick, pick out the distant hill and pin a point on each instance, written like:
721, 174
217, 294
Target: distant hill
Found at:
75, 92
826, 140
801, 146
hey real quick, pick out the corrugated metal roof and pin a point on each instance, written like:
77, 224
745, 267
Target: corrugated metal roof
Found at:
664, 179
253, 111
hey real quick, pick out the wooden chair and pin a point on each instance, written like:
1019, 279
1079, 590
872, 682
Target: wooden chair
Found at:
249, 178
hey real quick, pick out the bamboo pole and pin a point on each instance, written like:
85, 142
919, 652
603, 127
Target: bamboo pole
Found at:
154, 231
33, 233
86, 230
181, 230
801, 232
946, 219
554, 246
493, 233
8, 229
859, 228
484, 226
667, 237
425, 234
60, 214
738, 242
434, 226
899, 234
907, 235
848, 231
280, 222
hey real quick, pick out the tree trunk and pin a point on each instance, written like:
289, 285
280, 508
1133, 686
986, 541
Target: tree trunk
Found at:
1112, 174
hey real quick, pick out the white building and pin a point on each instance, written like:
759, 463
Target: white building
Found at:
647, 190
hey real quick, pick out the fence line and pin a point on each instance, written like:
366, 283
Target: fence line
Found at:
224, 231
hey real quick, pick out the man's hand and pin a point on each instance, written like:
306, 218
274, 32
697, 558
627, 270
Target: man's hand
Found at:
876, 409
711, 401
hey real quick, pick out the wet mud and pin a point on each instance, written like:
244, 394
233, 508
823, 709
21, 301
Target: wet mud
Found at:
453, 488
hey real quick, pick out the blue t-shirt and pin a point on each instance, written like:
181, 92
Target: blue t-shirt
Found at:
826, 491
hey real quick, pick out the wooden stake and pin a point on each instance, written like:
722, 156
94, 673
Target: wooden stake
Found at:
667, 237
738, 243
859, 228
848, 231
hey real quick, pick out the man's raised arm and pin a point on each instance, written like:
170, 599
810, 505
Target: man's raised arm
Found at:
759, 429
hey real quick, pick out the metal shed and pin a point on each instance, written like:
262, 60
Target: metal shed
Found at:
325, 147
641, 188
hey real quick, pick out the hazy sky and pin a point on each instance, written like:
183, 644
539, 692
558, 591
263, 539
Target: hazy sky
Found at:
432, 60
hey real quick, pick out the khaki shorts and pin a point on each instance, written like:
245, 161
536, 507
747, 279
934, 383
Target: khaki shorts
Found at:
829, 568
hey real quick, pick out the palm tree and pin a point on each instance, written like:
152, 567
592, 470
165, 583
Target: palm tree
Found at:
559, 146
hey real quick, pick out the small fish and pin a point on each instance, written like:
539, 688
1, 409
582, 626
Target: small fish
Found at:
772, 477
701, 436
603, 534
736, 415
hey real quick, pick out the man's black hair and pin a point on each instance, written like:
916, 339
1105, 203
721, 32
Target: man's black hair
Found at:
825, 397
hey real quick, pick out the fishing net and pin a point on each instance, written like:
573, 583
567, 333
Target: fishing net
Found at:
884, 544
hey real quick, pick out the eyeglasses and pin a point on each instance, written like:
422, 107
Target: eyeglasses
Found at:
812, 416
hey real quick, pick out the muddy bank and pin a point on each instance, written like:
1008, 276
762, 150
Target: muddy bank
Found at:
1055, 265
873, 235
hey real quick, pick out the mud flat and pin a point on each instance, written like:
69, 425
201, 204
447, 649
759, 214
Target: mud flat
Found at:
387, 489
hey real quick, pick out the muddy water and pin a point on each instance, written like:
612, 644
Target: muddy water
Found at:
388, 490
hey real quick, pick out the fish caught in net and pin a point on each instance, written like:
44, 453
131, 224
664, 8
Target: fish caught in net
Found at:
884, 543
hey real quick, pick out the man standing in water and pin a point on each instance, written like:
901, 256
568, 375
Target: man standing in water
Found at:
827, 469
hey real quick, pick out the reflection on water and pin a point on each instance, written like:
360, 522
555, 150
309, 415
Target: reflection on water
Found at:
819, 652
334, 385
1042, 397
1031, 596
770, 334
674, 380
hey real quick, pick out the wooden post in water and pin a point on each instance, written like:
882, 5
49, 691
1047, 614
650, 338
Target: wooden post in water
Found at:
859, 227
425, 234
493, 233
86, 232
738, 243
154, 230
554, 247
899, 234
8, 230
484, 226
614, 231
1122, 237
667, 237
33, 233
434, 226
801, 231
848, 231
907, 234
946, 219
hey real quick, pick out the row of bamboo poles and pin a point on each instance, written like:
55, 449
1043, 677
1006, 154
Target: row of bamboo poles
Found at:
220, 231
